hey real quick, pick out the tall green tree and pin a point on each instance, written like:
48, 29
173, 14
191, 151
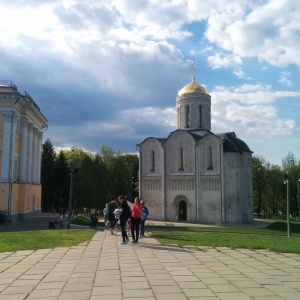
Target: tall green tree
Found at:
98, 177
120, 169
48, 176
259, 182
275, 189
292, 165
61, 181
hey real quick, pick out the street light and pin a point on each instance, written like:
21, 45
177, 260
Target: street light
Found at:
131, 191
298, 200
287, 182
72, 171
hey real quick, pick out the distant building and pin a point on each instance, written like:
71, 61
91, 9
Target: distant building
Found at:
193, 174
21, 131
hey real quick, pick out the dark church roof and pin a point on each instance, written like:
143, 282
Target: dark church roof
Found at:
232, 143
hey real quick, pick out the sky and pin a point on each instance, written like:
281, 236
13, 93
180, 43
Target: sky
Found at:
107, 72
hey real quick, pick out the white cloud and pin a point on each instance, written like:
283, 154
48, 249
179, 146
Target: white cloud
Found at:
284, 79
221, 60
240, 74
113, 67
248, 109
269, 31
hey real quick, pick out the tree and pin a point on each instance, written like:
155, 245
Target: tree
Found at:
259, 182
292, 166
120, 168
269, 191
61, 181
48, 176
98, 177
275, 189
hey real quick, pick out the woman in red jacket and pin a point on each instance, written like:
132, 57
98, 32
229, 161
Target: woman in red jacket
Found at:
136, 215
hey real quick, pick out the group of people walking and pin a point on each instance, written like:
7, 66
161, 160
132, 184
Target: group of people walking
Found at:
130, 215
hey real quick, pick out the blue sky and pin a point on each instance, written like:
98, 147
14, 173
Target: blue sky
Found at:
107, 72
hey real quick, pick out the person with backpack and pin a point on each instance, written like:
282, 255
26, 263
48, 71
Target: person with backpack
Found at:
145, 214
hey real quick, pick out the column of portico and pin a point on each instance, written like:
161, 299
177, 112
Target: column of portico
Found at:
39, 157
34, 156
23, 153
29, 152
6, 145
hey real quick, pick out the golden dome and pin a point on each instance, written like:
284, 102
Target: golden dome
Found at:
193, 88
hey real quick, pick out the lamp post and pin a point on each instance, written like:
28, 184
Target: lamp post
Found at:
298, 200
131, 191
288, 204
287, 176
72, 170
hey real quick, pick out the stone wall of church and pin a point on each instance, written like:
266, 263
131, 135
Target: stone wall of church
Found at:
210, 190
246, 188
238, 196
153, 157
232, 201
180, 153
152, 172
211, 207
180, 188
153, 196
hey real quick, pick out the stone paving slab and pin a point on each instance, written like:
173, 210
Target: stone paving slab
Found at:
104, 269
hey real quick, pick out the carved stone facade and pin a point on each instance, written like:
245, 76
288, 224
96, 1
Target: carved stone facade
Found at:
195, 175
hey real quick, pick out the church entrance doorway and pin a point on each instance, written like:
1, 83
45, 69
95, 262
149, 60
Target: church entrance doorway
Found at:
182, 211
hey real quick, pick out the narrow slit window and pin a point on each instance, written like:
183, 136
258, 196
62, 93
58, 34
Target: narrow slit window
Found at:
210, 162
187, 117
152, 161
200, 116
180, 159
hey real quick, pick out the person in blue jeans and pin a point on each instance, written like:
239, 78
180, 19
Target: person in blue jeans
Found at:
145, 214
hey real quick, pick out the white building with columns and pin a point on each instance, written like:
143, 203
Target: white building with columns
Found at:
21, 133
193, 174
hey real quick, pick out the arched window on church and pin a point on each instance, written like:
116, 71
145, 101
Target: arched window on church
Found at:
180, 159
200, 116
152, 161
210, 162
187, 117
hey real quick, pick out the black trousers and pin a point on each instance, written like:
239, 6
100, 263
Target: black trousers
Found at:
112, 221
135, 228
123, 221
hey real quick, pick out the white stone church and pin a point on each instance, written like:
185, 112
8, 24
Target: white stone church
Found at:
193, 174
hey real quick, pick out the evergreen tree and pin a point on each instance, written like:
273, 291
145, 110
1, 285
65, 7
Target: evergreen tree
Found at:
259, 183
61, 181
48, 176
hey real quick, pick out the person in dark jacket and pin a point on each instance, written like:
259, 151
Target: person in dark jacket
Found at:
125, 214
112, 205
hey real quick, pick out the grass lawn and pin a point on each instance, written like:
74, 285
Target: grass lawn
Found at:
43, 239
273, 238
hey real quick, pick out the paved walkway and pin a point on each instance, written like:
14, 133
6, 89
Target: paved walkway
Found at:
104, 269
